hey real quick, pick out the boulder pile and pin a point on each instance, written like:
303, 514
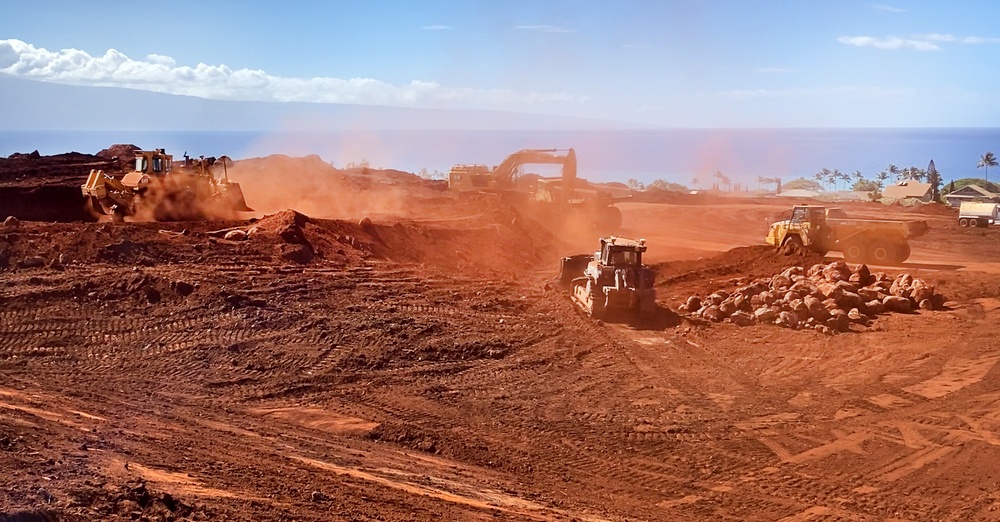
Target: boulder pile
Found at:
826, 297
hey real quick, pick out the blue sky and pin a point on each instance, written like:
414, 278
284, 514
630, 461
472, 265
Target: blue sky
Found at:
666, 63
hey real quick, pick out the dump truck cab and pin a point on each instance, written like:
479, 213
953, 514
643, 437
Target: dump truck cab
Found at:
807, 227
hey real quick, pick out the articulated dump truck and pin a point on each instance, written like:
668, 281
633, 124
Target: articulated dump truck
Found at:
876, 241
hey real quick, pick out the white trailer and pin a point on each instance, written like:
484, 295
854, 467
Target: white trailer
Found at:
972, 214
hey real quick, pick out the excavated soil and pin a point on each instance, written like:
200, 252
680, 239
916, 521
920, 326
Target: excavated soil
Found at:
419, 365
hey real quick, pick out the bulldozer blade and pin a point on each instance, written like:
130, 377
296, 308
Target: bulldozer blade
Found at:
234, 198
96, 206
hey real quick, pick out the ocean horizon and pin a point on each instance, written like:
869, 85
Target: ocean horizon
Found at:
676, 155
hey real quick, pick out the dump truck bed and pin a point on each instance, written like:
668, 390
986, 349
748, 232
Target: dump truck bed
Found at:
848, 227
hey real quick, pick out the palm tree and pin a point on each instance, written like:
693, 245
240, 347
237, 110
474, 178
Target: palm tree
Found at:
831, 177
881, 177
842, 176
894, 170
987, 160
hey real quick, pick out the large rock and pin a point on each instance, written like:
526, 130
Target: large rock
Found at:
752, 289
693, 303
781, 281
235, 235
815, 271
793, 271
727, 307
862, 275
893, 303
816, 308
766, 314
787, 319
901, 285
712, 313
920, 290
741, 318
839, 321
799, 308
837, 271
870, 293
875, 306
849, 300
803, 288
11, 222
830, 290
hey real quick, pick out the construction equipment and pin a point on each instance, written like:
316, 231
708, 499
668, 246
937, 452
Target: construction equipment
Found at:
974, 214
611, 280
565, 199
192, 190
878, 241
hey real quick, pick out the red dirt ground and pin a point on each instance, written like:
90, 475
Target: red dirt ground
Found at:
421, 368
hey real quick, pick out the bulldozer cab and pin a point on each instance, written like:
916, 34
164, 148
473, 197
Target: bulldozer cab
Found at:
153, 162
621, 252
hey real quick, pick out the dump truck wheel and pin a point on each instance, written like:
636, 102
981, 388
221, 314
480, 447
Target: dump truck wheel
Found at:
902, 253
963, 222
793, 241
854, 252
882, 253
611, 219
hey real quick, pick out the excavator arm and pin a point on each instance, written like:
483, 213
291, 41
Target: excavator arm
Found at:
503, 175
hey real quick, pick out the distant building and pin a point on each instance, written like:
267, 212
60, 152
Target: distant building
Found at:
971, 193
909, 189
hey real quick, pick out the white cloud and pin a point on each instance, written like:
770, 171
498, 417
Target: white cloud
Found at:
161, 60
936, 37
886, 8
436, 27
161, 74
889, 42
920, 42
847, 91
545, 28
980, 40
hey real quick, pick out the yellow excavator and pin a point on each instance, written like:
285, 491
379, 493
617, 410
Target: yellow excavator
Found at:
565, 198
194, 189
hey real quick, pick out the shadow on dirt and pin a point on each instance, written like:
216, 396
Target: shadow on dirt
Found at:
932, 266
662, 319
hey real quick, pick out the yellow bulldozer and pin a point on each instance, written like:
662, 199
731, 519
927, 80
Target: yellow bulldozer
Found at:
195, 189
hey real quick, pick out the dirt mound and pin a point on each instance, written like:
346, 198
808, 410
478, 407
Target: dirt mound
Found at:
69, 169
682, 278
314, 187
122, 154
935, 209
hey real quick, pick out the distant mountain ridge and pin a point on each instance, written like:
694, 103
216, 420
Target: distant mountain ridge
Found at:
34, 105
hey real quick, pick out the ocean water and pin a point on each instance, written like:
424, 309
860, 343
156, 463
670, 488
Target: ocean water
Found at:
677, 155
